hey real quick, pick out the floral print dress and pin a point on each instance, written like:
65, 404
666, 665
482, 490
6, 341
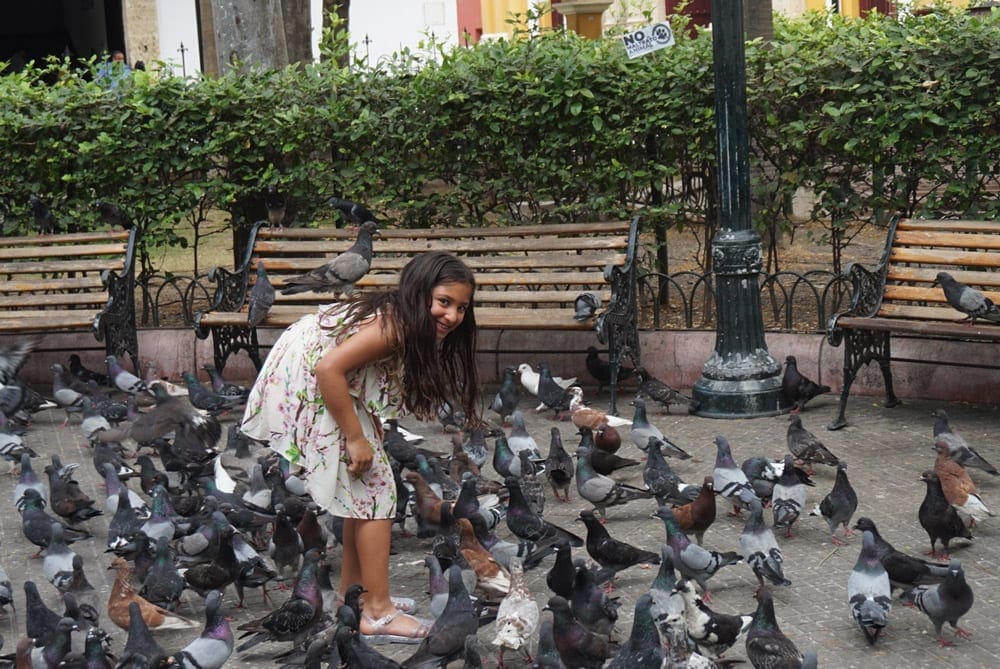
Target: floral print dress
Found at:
285, 409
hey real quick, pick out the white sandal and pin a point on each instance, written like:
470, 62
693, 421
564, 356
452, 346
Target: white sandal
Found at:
378, 636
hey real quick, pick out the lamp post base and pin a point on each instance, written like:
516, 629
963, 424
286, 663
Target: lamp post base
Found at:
746, 388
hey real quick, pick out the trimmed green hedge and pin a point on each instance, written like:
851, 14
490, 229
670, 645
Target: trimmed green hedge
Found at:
878, 116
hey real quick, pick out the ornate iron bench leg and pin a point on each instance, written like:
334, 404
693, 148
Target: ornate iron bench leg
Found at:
885, 364
860, 348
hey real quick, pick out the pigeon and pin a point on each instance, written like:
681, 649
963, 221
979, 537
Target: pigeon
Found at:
45, 220
759, 548
944, 602
141, 649
714, 633
730, 481
958, 487
80, 587
529, 379
37, 525
661, 393
113, 215
40, 621
122, 595
586, 305
642, 430
578, 647
57, 647
529, 526
788, 498
215, 645
67, 499
163, 584
838, 506
508, 396
261, 297
697, 516
661, 480
559, 467
451, 419
78, 370
691, 560
642, 648
904, 571
124, 380
600, 369
806, 448
939, 518
175, 414
517, 616
551, 394
589, 417
225, 388
667, 602
357, 213
968, 300
960, 450
6, 591
28, 479
123, 525
766, 645
600, 490
276, 205
446, 639
340, 274
68, 399
612, 554
763, 474
296, 617
520, 440
57, 565
206, 399
285, 547
796, 389
869, 593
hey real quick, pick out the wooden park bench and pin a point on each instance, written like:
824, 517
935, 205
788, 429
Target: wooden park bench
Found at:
71, 282
900, 295
527, 278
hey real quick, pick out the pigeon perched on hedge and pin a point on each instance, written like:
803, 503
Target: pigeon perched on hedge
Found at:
968, 300
358, 214
276, 205
45, 220
113, 215
340, 274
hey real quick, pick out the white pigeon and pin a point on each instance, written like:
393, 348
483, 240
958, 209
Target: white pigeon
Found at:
529, 379
517, 615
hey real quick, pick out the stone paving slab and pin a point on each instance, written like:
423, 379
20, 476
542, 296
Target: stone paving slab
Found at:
886, 450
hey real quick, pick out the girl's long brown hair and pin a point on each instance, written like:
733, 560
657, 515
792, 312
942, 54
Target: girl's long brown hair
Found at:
433, 372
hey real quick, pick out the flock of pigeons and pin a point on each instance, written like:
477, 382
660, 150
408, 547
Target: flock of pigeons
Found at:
215, 513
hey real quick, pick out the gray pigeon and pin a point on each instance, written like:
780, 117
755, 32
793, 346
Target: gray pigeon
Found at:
868, 591
661, 480
68, 399
944, 602
905, 571
508, 396
124, 380
276, 205
446, 639
550, 393
968, 300
759, 548
340, 274
586, 305
839, 505
804, 445
578, 647
729, 480
559, 467
642, 649
642, 430
714, 633
215, 645
788, 498
358, 214
261, 297
520, 440
691, 560
961, 452
57, 565
767, 646
600, 490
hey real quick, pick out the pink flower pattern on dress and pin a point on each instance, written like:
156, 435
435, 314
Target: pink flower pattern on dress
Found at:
285, 409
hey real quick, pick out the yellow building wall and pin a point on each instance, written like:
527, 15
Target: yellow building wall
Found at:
495, 14
853, 7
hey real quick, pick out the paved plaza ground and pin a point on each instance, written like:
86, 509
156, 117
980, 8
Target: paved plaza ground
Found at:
886, 450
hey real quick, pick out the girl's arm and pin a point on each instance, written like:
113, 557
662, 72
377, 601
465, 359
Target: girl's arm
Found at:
368, 344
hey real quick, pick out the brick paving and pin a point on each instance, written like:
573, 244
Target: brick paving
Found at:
886, 450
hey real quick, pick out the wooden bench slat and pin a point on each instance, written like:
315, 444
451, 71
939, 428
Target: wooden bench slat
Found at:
482, 296
89, 283
918, 294
992, 227
62, 266
953, 240
351, 234
389, 280
47, 300
943, 258
66, 238
903, 311
277, 266
410, 247
60, 251
921, 275
47, 321
953, 330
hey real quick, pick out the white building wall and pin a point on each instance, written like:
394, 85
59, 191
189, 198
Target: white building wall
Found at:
177, 23
392, 25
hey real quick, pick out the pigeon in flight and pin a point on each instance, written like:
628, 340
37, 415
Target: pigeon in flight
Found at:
968, 300
340, 274
354, 211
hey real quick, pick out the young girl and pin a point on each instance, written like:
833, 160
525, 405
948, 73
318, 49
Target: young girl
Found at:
334, 376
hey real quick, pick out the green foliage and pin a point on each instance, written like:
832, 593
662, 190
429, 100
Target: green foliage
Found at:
877, 116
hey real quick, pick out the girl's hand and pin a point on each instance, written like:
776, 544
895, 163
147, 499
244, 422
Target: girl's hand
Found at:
360, 452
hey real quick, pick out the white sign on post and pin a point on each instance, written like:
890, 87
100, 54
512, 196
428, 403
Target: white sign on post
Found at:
647, 40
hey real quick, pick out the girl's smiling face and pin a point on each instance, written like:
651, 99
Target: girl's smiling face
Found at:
449, 302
